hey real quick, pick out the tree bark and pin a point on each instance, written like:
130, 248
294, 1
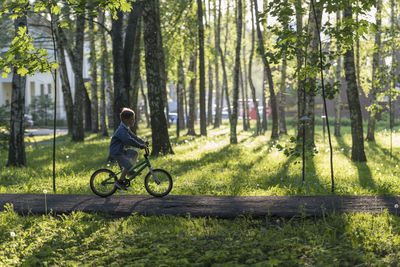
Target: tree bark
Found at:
236, 70
299, 56
134, 94
146, 112
282, 104
252, 87
357, 149
192, 96
160, 137
180, 94
202, 90
65, 84
122, 58
338, 98
244, 110
218, 91
274, 107
87, 114
375, 66
103, 66
93, 83
77, 62
16, 146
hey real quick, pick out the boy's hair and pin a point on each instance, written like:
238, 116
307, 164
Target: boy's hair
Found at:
126, 114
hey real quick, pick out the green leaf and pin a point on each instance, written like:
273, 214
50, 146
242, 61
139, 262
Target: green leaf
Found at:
4, 75
22, 71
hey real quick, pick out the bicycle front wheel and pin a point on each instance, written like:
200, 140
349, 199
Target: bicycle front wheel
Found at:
102, 182
158, 183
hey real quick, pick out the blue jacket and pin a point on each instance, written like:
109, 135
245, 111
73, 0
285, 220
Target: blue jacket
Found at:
123, 136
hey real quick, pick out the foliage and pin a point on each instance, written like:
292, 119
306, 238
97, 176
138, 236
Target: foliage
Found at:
95, 240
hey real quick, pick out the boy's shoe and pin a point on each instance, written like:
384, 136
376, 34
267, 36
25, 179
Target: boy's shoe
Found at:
120, 184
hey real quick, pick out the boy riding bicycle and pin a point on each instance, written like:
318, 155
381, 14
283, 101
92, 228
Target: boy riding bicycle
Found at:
122, 138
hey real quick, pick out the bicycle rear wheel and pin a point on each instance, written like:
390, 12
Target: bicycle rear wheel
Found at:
158, 183
102, 182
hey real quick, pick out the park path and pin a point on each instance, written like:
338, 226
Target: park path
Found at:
201, 206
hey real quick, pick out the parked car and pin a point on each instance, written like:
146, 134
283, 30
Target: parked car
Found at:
28, 120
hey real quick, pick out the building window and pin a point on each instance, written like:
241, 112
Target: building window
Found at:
42, 89
49, 89
32, 91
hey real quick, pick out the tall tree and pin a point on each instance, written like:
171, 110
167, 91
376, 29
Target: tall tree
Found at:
218, 91
268, 72
338, 97
103, 66
191, 119
300, 60
236, 70
202, 89
311, 83
93, 70
357, 149
16, 145
282, 94
252, 87
76, 56
160, 137
123, 55
376, 58
134, 94
180, 95
210, 73
65, 84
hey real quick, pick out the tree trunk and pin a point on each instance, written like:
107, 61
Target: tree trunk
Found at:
192, 96
180, 94
236, 70
146, 112
77, 63
312, 60
87, 114
244, 110
282, 104
202, 90
338, 98
134, 94
16, 146
93, 83
122, 58
299, 56
218, 91
103, 66
252, 87
274, 107
264, 123
375, 66
65, 84
357, 149
225, 86
210, 94
160, 138
246, 119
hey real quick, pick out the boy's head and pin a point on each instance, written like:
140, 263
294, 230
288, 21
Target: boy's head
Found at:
127, 116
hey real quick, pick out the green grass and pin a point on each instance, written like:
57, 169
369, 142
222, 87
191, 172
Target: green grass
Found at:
211, 166
82, 239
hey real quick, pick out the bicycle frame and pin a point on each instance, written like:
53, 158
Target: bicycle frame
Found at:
140, 166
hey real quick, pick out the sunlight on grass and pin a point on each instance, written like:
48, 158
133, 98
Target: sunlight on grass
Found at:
211, 166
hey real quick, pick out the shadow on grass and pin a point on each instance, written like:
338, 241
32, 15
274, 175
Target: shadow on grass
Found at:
364, 173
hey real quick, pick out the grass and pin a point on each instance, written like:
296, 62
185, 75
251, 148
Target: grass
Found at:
211, 166
81, 239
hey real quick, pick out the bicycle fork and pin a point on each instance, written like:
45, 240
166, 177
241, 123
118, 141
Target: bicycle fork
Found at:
154, 175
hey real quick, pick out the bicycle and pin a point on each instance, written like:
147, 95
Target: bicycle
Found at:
158, 182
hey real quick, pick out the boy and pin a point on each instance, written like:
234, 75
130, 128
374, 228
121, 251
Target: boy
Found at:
122, 138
